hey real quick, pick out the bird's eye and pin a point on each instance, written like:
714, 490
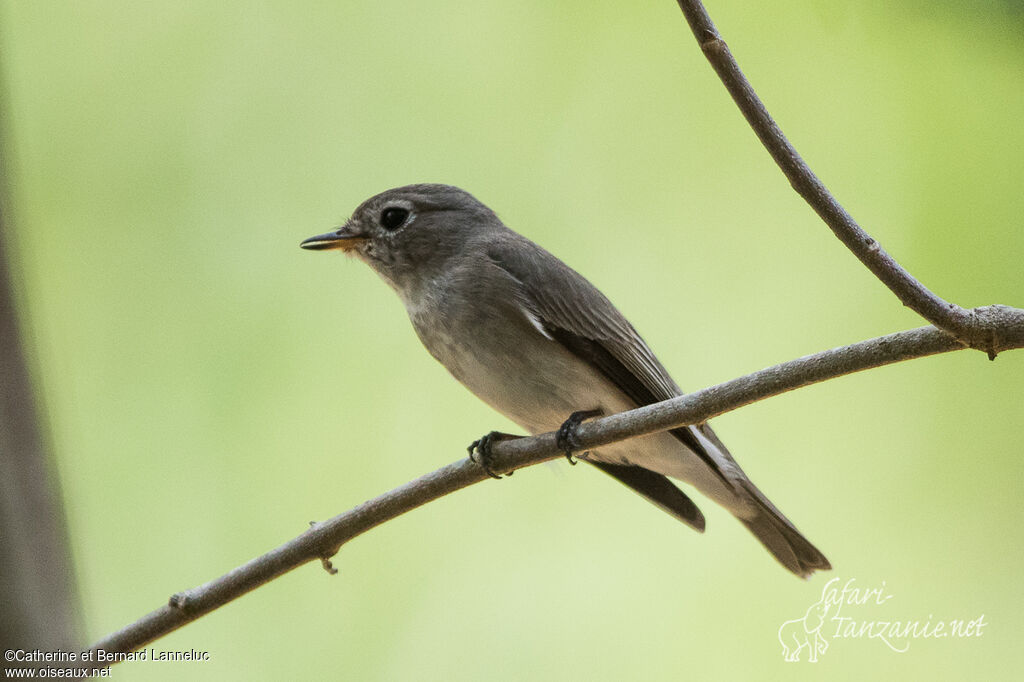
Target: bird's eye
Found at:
393, 218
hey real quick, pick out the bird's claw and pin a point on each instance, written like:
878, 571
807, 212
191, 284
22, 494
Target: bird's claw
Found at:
566, 438
480, 451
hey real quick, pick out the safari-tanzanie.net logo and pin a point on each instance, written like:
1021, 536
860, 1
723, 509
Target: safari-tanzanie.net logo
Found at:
847, 611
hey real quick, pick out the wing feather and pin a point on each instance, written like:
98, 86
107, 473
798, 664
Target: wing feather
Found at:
577, 315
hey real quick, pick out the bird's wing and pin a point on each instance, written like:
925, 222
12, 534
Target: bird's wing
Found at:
556, 293
577, 315
573, 312
587, 322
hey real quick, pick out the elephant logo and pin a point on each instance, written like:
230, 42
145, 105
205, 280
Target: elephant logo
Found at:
805, 633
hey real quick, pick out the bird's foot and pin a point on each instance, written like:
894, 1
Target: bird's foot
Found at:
480, 450
566, 437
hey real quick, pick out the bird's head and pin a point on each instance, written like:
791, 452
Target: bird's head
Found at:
410, 233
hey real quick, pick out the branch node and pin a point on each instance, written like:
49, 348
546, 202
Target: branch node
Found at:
325, 558
181, 601
990, 329
713, 43
325, 561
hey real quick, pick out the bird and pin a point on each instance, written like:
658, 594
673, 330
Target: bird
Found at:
539, 343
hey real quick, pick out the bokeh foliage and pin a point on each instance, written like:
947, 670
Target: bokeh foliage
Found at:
211, 388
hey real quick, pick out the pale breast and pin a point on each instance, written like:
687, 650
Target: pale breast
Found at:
500, 354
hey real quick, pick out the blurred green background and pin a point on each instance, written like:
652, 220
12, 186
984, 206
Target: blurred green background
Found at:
211, 388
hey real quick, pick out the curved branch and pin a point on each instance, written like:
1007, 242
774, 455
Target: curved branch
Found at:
324, 539
971, 327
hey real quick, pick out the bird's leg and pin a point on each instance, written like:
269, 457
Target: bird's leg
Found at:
566, 437
480, 450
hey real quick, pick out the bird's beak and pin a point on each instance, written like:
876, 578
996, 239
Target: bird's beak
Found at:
345, 238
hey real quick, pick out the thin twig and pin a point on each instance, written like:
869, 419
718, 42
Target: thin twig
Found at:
323, 540
970, 327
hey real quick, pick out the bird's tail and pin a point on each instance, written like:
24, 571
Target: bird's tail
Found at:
780, 536
765, 521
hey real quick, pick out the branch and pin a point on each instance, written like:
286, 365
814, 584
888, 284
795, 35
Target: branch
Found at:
972, 327
324, 539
